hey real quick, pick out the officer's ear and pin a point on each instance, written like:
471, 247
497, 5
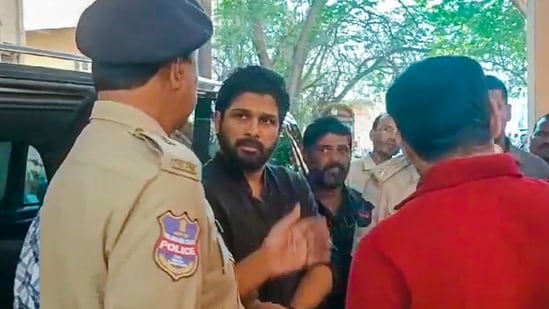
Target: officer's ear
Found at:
496, 124
182, 72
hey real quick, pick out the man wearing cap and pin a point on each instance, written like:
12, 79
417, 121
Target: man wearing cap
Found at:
125, 223
474, 234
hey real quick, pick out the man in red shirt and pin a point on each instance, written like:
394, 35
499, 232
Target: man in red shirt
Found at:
475, 233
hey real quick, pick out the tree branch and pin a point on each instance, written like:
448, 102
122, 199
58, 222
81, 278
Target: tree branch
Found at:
260, 44
301, 49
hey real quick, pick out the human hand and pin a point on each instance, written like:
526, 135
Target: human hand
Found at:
295, 243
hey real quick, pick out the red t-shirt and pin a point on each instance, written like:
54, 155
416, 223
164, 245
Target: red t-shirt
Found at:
474, 235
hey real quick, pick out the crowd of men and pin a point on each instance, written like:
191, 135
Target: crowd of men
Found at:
132, 220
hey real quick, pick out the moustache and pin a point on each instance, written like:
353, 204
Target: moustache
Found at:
339, 166
248, 142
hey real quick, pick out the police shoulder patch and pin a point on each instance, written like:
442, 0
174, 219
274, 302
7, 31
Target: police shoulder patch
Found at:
176, 251
175, 157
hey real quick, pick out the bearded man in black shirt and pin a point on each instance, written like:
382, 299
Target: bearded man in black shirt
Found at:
249, 196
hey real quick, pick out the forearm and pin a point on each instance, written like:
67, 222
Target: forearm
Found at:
251, 273
314, 287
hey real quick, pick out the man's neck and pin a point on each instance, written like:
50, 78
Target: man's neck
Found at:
140, 100
379, 157
331, 198
502, 142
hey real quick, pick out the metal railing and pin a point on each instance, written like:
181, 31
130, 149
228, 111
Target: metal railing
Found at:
204, 84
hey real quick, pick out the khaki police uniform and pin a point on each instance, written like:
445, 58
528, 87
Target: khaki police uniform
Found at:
385, 186
126, 224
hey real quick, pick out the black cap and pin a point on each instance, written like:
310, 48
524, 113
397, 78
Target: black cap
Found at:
142, 31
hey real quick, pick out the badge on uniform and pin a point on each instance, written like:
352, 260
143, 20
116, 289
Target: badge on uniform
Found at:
176, 251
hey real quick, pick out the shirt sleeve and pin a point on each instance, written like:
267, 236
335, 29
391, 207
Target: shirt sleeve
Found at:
374, 281
162, 248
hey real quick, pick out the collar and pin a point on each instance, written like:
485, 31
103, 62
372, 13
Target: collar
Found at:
368, 163
453, 172
126, 115
390, 167
347, 201
235, 172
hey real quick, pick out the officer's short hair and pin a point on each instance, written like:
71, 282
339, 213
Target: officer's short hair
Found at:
440, 105
378, 119
540, 120
322, 127
495, 83
254, 79
126, 76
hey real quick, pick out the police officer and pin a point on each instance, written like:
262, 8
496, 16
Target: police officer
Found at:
125, 223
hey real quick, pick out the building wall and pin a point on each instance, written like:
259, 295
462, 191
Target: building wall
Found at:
11, 22
56, 40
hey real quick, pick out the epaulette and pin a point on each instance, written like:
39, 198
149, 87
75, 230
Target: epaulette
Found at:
175, 157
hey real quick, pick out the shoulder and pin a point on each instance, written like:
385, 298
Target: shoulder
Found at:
533, 161
358, 198
398, 170
357, 164
172, 157
285, 172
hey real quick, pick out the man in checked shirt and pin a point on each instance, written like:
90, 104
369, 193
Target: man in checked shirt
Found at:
27, 275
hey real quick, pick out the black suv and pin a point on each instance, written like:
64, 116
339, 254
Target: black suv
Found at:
37, 113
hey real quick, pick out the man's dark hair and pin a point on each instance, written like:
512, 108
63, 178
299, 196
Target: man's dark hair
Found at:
495, 83
378, 119
441, 105
124, 77
322, 127
254, 79
540, 120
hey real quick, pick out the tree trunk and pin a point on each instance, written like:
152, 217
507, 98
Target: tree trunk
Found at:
301, 50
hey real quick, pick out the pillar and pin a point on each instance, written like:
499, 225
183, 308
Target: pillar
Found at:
11, 22
538, 60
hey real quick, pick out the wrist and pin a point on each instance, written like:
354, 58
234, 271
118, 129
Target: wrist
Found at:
265, 258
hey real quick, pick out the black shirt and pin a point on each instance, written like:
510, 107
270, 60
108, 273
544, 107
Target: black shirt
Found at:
245, 221
354, 211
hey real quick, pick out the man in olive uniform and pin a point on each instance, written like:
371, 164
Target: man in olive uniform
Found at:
383, 178
125, 222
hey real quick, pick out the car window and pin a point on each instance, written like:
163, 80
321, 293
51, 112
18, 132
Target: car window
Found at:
5, 152
36, 180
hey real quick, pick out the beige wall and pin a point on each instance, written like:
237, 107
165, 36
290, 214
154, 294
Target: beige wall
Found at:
58, 40
11, 22
538, 60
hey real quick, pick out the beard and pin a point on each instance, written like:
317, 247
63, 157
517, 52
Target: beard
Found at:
248, 161
331, 176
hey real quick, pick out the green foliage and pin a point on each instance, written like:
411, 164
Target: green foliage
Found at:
282, 154
491, 31
328, 50
324, 49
